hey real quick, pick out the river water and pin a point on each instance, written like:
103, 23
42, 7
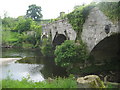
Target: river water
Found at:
33, 64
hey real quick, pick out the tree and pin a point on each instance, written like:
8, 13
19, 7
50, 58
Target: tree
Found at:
8, 23
23, 25
34, 12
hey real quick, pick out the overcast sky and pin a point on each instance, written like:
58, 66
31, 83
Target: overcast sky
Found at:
50, 8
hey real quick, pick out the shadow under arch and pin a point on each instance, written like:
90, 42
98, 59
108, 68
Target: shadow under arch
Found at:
108, 49
43, 37
59, 39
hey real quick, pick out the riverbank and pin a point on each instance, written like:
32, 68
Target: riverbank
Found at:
8, 60
59, 82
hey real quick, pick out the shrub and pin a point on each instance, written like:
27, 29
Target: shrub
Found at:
23, 25
69, 53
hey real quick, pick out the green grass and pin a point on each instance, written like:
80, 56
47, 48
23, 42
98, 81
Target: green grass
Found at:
0, 85
27, 45
112, 85
55, 83
8, 36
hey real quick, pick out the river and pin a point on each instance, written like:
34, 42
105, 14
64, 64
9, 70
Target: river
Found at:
33, 64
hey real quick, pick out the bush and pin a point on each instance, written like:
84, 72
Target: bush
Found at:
69, 54
23, 25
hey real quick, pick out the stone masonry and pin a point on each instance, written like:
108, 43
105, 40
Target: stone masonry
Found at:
95, 26
60, 26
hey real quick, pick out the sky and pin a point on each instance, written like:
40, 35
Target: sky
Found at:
50, 8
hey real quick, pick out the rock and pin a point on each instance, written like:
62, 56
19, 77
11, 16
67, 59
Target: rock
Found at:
50, 80
90, 81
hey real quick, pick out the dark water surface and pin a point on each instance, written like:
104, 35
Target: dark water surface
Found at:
33, 64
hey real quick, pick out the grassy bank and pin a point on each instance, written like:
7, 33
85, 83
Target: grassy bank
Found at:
9, 37
59, 82
49, 83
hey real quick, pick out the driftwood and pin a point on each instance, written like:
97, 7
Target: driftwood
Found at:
90, 81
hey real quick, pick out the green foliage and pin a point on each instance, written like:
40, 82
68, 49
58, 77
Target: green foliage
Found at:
23, 25
101, 68
34, 12
8, 23
25, 32
38, 30
27, 45
97, 69
9, 37
78, 16
111, 9
28, 41
70, 53
47, 50
26, 83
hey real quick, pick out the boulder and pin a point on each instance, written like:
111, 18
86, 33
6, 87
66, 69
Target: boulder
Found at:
90, 81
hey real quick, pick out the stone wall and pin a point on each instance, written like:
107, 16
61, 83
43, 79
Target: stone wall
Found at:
94, 28
59, 26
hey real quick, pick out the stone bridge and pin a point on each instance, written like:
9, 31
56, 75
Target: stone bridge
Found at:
59, 30
101, 36
99, 33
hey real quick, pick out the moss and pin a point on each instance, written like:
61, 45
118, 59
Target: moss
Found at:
97, 83
28, 60
78, 16
111, 10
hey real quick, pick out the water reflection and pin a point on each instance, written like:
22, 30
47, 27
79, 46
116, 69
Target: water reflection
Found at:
34, 64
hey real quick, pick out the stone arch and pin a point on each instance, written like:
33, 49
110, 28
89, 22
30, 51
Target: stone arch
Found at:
44, 36
107, 49
59, 39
